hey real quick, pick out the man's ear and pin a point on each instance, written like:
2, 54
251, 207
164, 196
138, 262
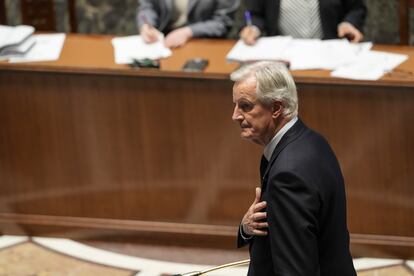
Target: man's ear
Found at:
277, 109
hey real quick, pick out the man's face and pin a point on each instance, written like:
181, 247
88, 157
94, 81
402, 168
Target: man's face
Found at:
257, 121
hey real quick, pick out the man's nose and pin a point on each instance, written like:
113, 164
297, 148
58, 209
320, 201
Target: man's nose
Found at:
236, 114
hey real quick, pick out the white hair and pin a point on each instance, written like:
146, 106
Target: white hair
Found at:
274, 83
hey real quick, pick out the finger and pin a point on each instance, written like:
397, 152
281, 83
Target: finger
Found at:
259, 225
149, 36
358, 37
244, 32
342, 30
258, 216
257, 232
246, 40
152, 38
259, 206
168, 42
250, 41
145, 38
258, 194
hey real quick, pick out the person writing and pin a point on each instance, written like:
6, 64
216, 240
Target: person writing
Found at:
297, 222
326, 19
180, 20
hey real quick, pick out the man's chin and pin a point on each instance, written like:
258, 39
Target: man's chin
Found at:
246, 136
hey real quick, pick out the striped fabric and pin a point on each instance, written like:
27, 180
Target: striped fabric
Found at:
300, 18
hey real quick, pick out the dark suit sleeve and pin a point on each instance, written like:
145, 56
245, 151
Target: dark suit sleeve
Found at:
292, 212
356, 12
149, 10
240, 240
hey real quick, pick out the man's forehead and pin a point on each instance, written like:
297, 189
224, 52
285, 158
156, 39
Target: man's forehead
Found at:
245, 88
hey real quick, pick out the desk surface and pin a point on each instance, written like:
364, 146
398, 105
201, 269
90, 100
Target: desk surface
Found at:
94, 54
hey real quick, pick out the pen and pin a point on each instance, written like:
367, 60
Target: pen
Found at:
145, 20
248, 18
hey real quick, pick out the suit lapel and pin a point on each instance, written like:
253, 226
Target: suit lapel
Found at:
292, 134
165, 14
191, 5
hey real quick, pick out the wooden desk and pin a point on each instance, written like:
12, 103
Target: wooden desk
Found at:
88, 145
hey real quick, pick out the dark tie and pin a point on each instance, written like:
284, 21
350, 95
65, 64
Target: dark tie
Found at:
263, 166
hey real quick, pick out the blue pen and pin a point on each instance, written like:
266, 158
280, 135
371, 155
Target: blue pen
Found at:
145, 20
248, 18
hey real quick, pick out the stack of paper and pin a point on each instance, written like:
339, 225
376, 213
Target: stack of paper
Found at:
47, 47
133, 47
18, 44
15, 40
347, 60
266, 48
371, 65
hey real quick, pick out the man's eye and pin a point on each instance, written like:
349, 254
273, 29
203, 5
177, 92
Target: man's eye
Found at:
246, 107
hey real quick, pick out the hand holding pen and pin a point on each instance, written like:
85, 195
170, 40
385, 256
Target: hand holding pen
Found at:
250, 33
148, 32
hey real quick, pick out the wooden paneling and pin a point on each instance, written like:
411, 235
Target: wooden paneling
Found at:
41, 14
87, 144
3, 16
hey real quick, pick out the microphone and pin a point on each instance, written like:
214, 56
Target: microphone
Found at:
198, 273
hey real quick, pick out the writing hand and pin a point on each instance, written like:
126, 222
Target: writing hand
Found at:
348, 30
178, 37
150, 34
252, 221
250, 34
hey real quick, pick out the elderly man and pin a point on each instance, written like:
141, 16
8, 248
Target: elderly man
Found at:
297, 222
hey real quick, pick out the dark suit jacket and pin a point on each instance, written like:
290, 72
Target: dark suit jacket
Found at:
265, 15
206, 18
306, 211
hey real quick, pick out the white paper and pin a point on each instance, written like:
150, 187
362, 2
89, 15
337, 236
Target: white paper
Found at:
266, 48
305, 54
133, 47
308, 54
10, 35
302, 54
371, 65
47, 48
19, 49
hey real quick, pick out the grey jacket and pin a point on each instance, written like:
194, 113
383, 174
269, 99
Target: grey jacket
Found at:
206, 18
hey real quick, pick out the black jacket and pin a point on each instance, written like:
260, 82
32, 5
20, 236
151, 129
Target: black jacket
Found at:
306, 211
265, 15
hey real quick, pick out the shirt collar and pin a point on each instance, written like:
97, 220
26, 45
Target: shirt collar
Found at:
270, 147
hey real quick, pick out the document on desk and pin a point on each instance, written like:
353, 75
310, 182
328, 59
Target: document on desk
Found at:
266, 48
302, 54
14, 35
47, 47
371, 65
310, 54
133, 47
17, 50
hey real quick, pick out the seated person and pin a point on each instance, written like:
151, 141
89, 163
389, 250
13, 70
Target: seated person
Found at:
181, 20
305, 19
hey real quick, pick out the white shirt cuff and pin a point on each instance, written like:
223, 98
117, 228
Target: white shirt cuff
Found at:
243, 236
